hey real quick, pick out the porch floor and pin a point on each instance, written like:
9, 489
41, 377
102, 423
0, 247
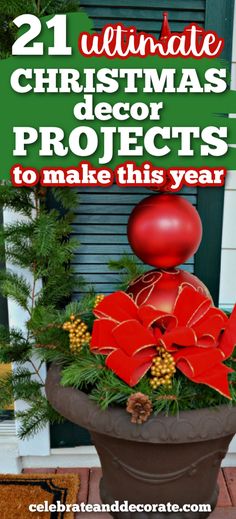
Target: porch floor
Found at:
89, 491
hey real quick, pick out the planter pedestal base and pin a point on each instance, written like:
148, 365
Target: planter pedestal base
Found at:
150, 473
174, 459
156, 515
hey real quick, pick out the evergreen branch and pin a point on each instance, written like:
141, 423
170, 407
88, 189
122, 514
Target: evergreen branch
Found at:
19, 352
44, 9
45, 234
17, 199
27, 390
36, 417
16, 288
83, 308
60, 357
16, 229
129, 268
16, 7
14, 239
86, 369
66, 197
104, 395
18, 384
43, 245
47, 346
10, 9
68, 6
36, 370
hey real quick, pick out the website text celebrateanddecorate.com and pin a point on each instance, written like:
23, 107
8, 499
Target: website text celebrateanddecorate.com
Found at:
118, 506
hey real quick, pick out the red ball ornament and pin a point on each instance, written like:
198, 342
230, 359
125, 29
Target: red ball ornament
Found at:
164, 230
160, 288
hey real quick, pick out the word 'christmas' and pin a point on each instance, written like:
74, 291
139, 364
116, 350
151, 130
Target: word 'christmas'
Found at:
110, 80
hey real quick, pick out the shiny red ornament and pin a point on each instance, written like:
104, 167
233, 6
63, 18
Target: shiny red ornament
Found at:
164, 230
160, 288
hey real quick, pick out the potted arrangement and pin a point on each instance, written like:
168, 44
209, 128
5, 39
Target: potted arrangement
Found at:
149, 370
153, 376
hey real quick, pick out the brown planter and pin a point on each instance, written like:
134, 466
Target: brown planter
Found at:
172, 459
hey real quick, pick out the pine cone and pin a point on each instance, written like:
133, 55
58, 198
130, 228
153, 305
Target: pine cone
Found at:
140, 407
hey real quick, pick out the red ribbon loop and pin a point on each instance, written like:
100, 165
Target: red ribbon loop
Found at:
198, 335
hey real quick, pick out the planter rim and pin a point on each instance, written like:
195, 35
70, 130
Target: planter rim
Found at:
186, 427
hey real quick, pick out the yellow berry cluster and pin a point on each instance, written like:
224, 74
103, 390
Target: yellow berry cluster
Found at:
98, 299
163, 369
78, 333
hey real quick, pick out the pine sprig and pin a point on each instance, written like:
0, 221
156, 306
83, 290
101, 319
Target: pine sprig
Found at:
66, 197
27, 389
55, 355
128, 268
11, 9
89, 373
87, 369
15, 287
36, 417
19, 200
171, 401
109, 390
40, 242
14, 347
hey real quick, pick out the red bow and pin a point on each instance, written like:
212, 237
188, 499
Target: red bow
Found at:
199, 336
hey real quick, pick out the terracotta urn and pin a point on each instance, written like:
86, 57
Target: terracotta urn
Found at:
173, 459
